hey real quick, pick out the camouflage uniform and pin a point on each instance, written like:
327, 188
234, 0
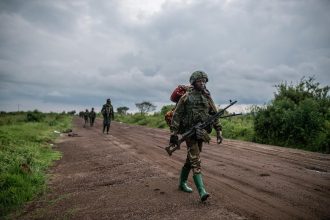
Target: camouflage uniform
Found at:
86, 115
92, 116
108, 115
193, 107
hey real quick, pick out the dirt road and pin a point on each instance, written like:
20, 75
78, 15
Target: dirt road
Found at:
128, 175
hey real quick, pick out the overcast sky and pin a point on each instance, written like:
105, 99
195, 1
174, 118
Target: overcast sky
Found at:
64, 55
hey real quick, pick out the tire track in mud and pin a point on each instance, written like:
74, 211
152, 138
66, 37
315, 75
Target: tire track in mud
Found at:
245, 164
273, 197
148, 150
291, 155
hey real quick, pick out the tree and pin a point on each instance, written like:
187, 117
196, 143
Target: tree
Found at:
145, 107
122, 110
73, 112
35, 116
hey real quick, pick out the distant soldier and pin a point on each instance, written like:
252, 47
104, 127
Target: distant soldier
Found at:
195, 106
92, 116
108, 115
86, 115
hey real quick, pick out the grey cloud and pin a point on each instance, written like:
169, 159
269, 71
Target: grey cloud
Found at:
48, 15
90, 50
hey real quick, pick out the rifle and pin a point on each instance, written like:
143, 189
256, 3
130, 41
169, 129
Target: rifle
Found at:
231, 115
201, 125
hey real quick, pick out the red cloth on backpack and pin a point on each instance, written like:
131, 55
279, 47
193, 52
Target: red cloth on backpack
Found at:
178, 93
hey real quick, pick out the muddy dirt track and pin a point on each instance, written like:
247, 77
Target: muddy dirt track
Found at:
128, 175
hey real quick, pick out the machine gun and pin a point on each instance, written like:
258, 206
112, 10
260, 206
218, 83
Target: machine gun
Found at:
201, 125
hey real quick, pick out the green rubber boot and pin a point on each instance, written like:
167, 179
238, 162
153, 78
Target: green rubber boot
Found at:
200, 186
183, 186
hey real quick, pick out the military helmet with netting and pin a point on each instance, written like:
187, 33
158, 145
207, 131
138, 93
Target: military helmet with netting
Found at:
198, 75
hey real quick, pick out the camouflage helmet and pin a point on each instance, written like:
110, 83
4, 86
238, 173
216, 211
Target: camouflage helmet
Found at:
198, 75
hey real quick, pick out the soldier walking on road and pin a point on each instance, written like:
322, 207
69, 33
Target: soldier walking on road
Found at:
92, 116
108, 115
86, 115
195, 106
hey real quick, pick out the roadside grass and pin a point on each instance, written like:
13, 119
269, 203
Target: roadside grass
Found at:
155, 121
238, 127
25, 154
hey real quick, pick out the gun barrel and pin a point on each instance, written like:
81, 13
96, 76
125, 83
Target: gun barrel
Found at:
227, 116
216, 116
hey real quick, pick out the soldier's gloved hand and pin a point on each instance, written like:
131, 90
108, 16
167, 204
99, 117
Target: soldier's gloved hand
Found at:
174, 139
201, 134
219, 137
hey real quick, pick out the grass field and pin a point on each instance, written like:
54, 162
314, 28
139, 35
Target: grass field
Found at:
25, 155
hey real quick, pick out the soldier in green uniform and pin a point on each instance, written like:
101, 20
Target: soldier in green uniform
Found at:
92, 116
108, 115
194, 106
86, 115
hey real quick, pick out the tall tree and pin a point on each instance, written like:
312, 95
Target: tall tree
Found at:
145, 107
122, 110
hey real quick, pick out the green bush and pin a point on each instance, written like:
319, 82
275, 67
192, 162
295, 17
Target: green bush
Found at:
299, 117
35, 116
